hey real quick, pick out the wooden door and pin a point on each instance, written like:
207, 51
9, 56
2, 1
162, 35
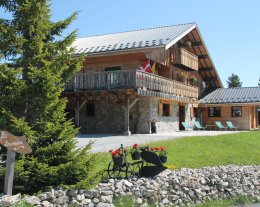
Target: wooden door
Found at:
253, 118
181, 116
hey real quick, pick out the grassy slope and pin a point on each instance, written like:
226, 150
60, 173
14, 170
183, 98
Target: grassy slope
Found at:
196, 152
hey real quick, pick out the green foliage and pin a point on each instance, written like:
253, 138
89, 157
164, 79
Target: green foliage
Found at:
239, 200
124, 201
34, 67
21, 203
234, 81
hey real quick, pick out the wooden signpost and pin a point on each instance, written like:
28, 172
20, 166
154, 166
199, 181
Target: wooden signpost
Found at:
13, 144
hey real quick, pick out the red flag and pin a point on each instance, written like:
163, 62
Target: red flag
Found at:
145, 67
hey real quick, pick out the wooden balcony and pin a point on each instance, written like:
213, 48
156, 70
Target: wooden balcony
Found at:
145, 84
184, 59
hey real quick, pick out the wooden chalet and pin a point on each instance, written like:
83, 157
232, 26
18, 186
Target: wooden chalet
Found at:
109, 94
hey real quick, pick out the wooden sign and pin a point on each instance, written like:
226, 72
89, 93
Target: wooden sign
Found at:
13, 144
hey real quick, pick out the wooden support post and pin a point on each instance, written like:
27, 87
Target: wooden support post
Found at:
78, 107
127, 108
9, 175
77, 113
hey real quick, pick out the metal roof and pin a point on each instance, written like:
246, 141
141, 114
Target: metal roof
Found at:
153, 37
231, 95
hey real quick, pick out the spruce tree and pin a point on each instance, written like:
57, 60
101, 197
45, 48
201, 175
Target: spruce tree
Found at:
234, 81
34, 67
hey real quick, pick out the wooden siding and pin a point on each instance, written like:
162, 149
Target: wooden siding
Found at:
130, 79
245, 122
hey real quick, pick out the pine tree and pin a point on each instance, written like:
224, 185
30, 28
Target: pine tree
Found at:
234, 81
259, 81
34, 67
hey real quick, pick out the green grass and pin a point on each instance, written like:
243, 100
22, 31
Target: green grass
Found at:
240, 200
196, 152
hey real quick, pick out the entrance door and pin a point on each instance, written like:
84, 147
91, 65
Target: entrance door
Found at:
181, 116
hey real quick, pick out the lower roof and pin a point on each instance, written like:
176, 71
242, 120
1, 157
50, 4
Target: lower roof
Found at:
231, 95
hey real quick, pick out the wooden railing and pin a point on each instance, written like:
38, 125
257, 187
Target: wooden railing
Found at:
180, 56
130, 79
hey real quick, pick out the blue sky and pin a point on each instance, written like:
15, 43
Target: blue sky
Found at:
230, 28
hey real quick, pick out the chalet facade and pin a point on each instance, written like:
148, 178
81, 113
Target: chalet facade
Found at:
109, 94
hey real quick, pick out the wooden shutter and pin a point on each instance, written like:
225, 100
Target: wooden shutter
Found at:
191, 112
160, 109
171, 110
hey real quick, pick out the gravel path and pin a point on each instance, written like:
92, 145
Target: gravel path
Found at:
105, 142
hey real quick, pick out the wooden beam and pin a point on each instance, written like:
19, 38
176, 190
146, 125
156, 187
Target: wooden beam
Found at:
205, 69
196, 44
133, 103
203, 56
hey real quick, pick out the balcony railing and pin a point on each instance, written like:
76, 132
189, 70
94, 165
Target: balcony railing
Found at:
129, 80
184, 59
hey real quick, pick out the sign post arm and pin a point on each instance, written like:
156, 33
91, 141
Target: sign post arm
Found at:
9, 175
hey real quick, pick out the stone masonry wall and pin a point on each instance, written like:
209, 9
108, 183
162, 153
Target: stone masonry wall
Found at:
109, 117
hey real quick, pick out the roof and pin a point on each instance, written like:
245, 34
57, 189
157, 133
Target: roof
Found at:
231, 95
145, 38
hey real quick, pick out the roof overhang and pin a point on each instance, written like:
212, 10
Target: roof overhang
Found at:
229, 104
172, 42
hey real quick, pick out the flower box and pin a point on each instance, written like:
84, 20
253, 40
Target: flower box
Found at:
135, 155
118, 160
163, 159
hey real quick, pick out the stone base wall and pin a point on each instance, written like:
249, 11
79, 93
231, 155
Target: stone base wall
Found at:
110, 117
182, 187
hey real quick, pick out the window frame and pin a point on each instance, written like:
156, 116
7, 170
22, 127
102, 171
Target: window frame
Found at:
214, 113
232, 111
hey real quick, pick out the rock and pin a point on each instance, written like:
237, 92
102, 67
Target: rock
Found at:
105, 205
62, 200
106, 199
80, 198
32, 200
138, 201
46, 204
8, 200
128, 184
73, 193
95, 200
73, 203
109, 192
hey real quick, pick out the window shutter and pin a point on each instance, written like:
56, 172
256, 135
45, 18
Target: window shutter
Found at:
191, 112
160, 109
171, 109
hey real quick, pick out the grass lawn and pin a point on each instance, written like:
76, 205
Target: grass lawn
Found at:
196, 152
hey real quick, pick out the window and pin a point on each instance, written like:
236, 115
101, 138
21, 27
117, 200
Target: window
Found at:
214, 112
113, 68
166, 109
90, 110
236, 111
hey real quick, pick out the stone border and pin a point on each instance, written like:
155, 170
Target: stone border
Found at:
172, 187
